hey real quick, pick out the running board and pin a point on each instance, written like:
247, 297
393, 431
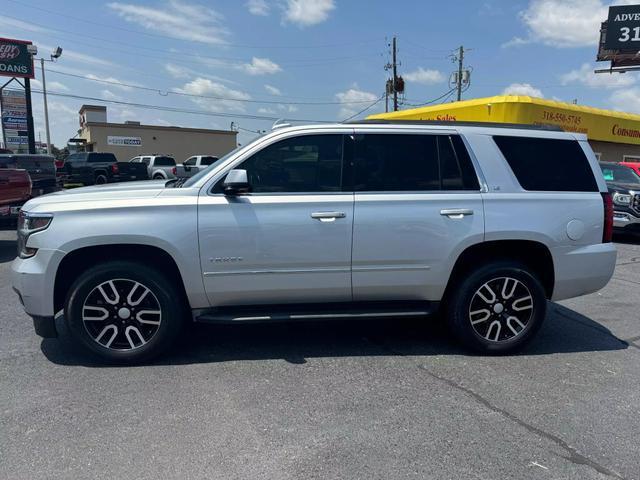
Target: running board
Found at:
271, 313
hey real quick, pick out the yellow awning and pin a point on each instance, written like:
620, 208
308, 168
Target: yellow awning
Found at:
596, 123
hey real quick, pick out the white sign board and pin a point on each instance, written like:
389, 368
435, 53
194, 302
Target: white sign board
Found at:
124, 141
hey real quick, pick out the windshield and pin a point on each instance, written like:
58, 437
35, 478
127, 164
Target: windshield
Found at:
619, 173
203, 173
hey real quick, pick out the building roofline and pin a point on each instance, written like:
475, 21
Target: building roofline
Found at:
92, 107
135, 126
512, 99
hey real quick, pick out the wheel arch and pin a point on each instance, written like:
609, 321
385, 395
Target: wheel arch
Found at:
536, 256
77, 261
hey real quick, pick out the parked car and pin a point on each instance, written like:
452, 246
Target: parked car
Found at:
95, 168
624, 185
41, 170
15, 190
159, 167
194, 164
635, 166
485, 223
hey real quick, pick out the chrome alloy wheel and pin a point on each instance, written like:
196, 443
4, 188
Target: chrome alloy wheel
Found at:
501, 309
121, 314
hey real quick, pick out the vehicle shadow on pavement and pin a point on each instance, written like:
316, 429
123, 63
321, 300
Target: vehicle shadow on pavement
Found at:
564, 331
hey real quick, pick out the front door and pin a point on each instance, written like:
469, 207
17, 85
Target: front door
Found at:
289, 240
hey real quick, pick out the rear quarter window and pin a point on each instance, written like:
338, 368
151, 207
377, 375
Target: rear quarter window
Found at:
164, 162
548, 164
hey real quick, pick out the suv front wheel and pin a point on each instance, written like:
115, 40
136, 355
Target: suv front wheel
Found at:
497, 308
124, 312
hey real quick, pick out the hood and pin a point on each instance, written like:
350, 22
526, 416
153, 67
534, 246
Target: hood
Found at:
98, 193
623, 187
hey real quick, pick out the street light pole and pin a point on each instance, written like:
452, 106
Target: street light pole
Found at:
46, 108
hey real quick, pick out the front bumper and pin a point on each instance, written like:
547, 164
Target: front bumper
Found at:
34, 279
625, 219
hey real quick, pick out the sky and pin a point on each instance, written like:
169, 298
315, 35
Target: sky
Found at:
208, 63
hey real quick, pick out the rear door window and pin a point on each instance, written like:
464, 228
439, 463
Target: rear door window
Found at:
208, 160
548, 164
164, 162
102, 158
412, 162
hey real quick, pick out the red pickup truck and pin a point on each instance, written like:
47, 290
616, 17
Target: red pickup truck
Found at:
633, 165
15, 189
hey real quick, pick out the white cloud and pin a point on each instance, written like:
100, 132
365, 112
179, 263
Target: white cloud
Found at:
353, 100
269, 111
525, 89
564, 23
52, 86
260, 66
272, 90
627, 100
206, 87
177, 19
109, 95
307, 12
112, 81
258, 7
20, 25
176, 71
586, 77
425, 77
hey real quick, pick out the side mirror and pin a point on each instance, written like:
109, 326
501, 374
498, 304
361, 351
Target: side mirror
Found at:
236, 182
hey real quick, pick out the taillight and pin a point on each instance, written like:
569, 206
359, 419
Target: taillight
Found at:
114, 168
607, 234
174, 170
59, 163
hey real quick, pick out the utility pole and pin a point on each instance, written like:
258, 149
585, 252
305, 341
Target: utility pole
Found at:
460, 64
31, 140
46, 108
395, 77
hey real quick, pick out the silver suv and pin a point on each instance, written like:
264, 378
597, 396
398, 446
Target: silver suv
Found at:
484, 223
159, 167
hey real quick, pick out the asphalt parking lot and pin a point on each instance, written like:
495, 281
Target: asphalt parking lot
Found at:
366, 399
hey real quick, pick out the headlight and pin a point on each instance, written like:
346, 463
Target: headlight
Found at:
29, 223
621, 199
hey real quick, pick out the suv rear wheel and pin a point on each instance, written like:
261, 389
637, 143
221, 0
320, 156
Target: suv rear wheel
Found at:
123, 312
498, 308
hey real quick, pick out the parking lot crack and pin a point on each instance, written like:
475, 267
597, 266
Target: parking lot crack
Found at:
572, 456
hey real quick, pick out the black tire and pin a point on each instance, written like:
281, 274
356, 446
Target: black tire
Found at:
100, 179
158, 176
138, 337
499, 333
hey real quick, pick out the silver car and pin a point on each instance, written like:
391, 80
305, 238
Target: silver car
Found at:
333, 222
159, 167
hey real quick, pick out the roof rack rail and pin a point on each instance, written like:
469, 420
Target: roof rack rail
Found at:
523, 126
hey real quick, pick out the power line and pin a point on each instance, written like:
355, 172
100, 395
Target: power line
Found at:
164, 92
175, 109
365, 109
168, 37
431, 101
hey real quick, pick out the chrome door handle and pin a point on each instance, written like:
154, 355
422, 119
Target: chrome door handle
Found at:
456, 213
327, 216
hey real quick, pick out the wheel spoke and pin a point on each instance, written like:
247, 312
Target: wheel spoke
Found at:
93, 318
105, 330
515, 320
508, 291
141, 313
486, 315
112, 287
495, 325
127, 333
130, 300
492, 298
527, 301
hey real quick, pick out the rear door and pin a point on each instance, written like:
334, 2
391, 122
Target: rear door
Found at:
417, 206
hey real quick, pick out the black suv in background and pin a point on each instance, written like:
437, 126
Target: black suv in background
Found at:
94, 168
41, 169
624, 185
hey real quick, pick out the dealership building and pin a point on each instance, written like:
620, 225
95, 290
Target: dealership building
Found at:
129, 139
614, 136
